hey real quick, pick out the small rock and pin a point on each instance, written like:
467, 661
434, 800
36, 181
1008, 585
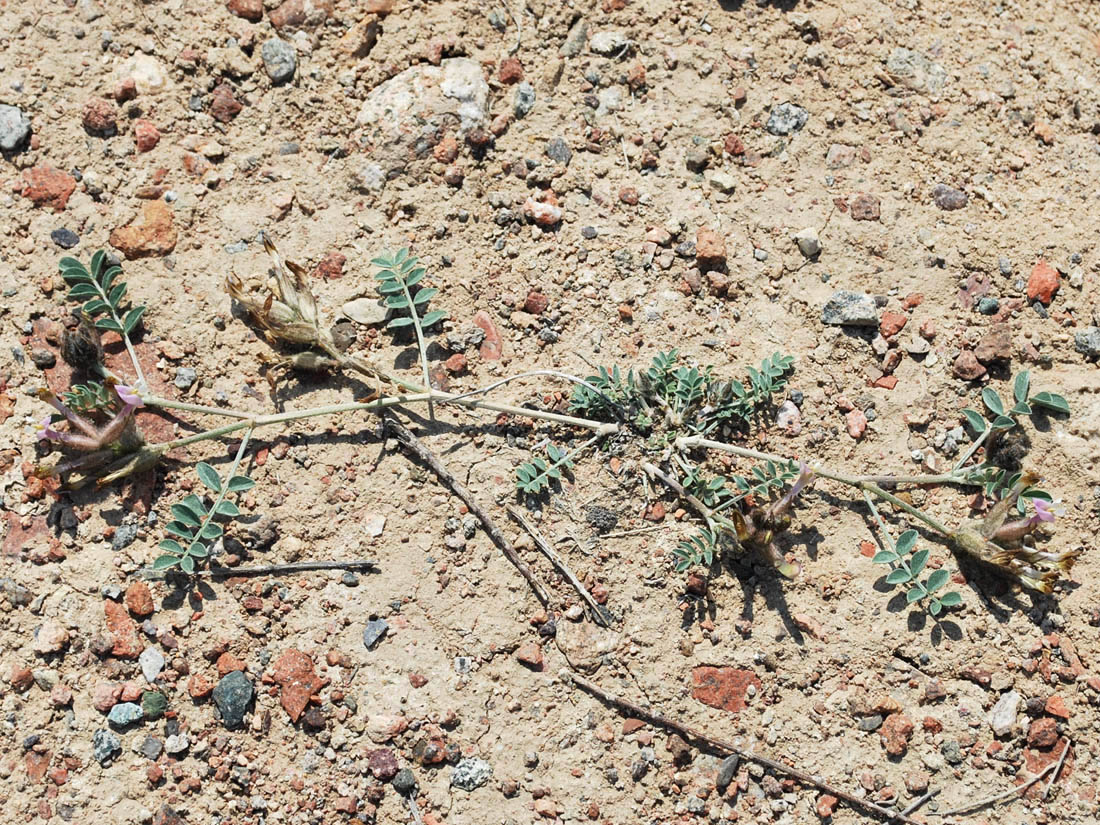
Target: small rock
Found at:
866, 207
915, 71
367, 311
147, 73
176, 744
575, 39
100, 117
280, 60
151, 661
895, 733
155, 235
44, 185
786, 118
232, 695
153, 704
558, 151
15, 128
710, 249
608, 43
510, 71
152, 748
139, 600
726, 772
723, 687
967, 367
788, 418
988, 306
826, 806
250, 10
1043, 283
404, 782
1087, 342
523, 101
43, 358
65, 238
382, 764
146, 135
185, 377
854, 309
51, 637
530, 654
602, 519
1002, 718
105, 746
293, 671
373, 632
301, 13
125, 713
870, 723
994, 348
948, 198
723, 182
1043, 733
471, 773
856, 423
808, 243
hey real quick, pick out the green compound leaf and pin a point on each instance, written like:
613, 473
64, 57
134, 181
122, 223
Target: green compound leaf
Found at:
132, 319
238, 484
914, 595
884, 557
950, 599
1051, 401
906, 541
916, 564
171, 546
187, 564
1020, 388
209, 476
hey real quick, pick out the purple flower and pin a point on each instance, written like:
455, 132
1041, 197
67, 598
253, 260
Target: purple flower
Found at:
130, 398
46, 431
1044, 511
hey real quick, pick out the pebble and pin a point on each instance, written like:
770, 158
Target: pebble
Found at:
854, 309
404, 782
1043, 283
1087, 342
147, 73
558, 150
786, 118
185, 377
988, 306
125, 713
809, 244
124, 536
232, 695
866, 207
65, 238
917, 72
471, 773
1002, 718
153, 704
15, 128
856, 423
967, 366
151, 662
575, 39
948, 198
723, 182
726, 772
100, 117
280, 60
105, 746
151, 748
373, 632
43, 358
51, 637
788, 418
177, 743
523, 101
366, 311
608, 43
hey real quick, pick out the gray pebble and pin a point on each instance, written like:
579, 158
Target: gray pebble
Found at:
374, 631
870, 723
105, 746
1087, 342
124, 536
787, 118
236, 247
524, 100
608, 43
726, 772
15, 128
44, 359
65, 238
151, 748
949, 198
280, 60
575, 39
988, 306
853, 309
125, 713
1005, 266
404, 782
471, 773
177, 743
602, 519
185, 377
232, 695
558, 150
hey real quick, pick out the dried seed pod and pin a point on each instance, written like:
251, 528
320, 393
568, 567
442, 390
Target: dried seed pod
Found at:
81, 348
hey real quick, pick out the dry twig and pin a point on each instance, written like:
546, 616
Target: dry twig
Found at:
264, 569
600, 614
726, 747
1011, 792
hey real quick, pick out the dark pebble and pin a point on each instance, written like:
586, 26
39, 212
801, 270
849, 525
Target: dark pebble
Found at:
65, 238
726, 771
350, 579
44, 359
233, 695
602, 519
373, 632
558, 150
588, 232
404, 782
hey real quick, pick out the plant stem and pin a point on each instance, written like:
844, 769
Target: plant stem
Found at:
420, 345
169, 404
123, 334
858, 483
225, 487
973, 449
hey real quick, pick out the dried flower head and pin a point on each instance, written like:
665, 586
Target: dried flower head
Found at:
81, 348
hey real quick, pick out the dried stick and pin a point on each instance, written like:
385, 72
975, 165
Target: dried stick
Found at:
406, 437
1057, 770
599, 612
263, 569
918, 802
726, 747
981, 803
